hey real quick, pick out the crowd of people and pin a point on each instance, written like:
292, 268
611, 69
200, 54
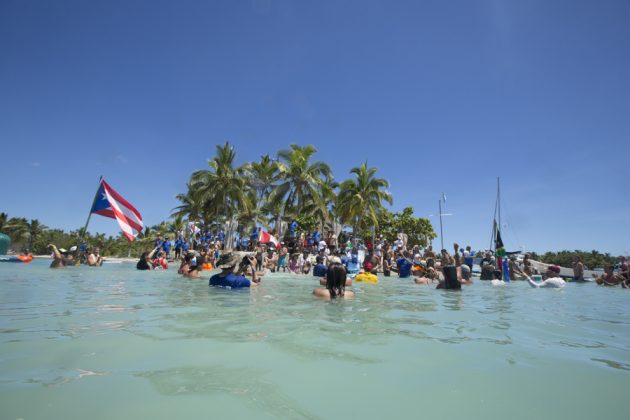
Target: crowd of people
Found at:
90, 256
336, 262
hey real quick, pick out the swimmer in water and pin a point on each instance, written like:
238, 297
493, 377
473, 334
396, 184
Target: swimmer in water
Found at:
335, 284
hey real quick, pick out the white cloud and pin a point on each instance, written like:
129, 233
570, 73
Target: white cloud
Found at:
121, 159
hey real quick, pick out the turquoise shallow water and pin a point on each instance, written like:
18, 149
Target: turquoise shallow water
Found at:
116, 343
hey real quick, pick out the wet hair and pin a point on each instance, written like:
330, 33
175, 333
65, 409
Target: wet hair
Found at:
336, 280
142, 262
319, 259
450, 278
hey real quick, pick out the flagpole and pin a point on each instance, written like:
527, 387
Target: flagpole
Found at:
91, 207
441, 233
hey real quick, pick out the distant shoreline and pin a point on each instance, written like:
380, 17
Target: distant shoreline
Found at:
106, 259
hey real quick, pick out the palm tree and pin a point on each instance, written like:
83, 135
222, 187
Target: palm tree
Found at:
221, 189
254, 212
3, 221
178, 224
191, 207
17, 228
261, 176
301, 180
35, 229
361, 199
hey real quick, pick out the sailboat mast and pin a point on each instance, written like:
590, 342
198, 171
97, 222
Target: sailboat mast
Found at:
499, 200
440, 213
494, 218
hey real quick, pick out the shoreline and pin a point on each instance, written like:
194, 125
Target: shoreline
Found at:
105, 259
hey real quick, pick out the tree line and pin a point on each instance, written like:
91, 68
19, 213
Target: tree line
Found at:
270, 192
273, 192
591, 260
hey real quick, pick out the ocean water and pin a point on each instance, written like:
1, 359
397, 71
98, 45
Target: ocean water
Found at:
112, 342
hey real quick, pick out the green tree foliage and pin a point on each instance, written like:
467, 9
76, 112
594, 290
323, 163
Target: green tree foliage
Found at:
360, 199
306, 223
419, 230
300, 180
564, 258
221, 189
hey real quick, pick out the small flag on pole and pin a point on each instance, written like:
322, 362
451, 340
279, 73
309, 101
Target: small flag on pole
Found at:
444, 197
265, 237
193, 228
109, 203
498, 242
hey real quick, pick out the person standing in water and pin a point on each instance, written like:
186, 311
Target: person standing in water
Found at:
94, 258
578, 269
227, 278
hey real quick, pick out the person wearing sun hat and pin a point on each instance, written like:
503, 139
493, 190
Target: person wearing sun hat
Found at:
58, 256
227, 263
552, 278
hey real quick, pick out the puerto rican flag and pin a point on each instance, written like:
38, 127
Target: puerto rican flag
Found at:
110, 204
265, 237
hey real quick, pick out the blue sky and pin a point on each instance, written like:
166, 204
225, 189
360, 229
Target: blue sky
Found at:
439, 95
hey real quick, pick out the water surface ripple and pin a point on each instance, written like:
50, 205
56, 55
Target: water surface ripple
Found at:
114, 342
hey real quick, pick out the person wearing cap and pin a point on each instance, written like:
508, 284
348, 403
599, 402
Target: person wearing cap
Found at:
487, 265
419, 267
227, 278
58, 256
552, 278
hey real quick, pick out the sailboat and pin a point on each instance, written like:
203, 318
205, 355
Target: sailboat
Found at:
496, 243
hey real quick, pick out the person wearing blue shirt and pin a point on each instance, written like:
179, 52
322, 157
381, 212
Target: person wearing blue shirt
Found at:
166, 246
320, 269
227, 277
404, 264
352, 265
253, 235
158, 242
293, 229
178, 247
469, 256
